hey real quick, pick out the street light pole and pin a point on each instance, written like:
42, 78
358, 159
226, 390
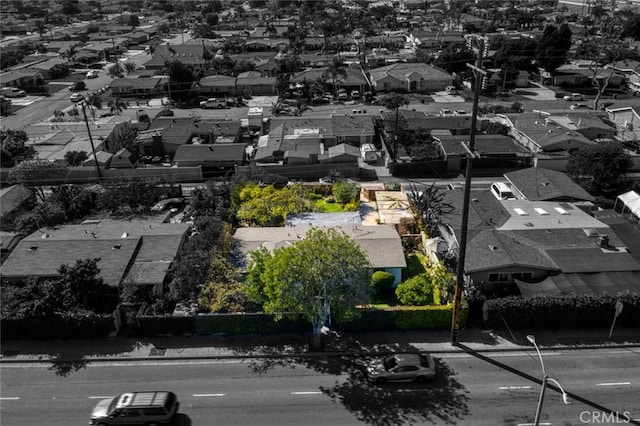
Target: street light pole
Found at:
545, 379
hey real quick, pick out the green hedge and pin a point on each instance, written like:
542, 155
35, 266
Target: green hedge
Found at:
58, 327
557, 312
405, 318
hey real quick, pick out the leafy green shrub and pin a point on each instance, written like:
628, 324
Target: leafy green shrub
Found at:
329, 199
353, 206
405, 318
382, 281
416, 291
556, 312
345, 192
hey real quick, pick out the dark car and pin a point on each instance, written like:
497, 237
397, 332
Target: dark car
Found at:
402, 367
77, 86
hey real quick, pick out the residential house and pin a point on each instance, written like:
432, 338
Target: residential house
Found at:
137, 250
45, 66
412, 77
13, 198
544, 134
189, 54
136, 38
217, 86
496, 152
257, 86
627, 122
101, 160
138, 87
448, 125
267, 45
220, 156
381, 243
540, 184
354, 79
23, 77
62, 46
341, 153
515, 241
429, 39
166, 134
334, 129
124, 159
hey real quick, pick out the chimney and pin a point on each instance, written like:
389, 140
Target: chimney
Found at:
603, 241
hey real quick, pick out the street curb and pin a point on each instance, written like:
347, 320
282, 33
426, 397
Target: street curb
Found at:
333, 354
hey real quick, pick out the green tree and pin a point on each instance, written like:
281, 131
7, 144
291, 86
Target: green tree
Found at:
181, 79
269, 206
553, 46
117, 105
122, 136
223, 291
75, 158
38, 173
116, 70
323, 277
35, 298
336, 70
129, 67
134, 21
14, 142
444, 280
395, 101
382, 281
129, 196
83, 288
345, 192
604, 165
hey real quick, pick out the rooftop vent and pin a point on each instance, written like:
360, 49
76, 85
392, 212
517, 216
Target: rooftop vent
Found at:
45, 236
33, 248
116, 247
492, 247
124, 235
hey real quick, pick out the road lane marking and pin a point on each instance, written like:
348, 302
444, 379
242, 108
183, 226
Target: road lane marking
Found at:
533, 424
9, 398
306, 393
513, 387
614, 384
209, 394
101, 397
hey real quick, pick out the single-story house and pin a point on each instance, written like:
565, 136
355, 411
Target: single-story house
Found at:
124, 159
496, 152
258, 86
138, 86
412, 77
341, 153
217, 85
542, 134
23, 77
123, 247
381, 243
215, 155
540, 184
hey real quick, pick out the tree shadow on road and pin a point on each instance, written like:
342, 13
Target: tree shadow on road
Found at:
441, 401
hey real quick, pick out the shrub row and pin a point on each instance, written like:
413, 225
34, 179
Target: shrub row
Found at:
58, 327
405, 318
557, 312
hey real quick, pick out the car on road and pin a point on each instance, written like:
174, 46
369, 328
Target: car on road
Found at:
139, 408
214, 103
12, 92
402, 367
574, 97
76, 97
444, 112
578, 106
78, 85
92, 74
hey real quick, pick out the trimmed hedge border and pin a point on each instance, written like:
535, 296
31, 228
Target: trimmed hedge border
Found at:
58, 327
558, 312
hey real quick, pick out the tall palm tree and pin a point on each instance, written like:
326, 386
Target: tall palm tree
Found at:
336, 69
94, 102
117, 105
394, 101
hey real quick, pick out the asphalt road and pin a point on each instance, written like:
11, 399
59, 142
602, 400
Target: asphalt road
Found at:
488, 389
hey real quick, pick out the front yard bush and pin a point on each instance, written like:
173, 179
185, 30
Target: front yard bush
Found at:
382, 282
416, 291
557, 312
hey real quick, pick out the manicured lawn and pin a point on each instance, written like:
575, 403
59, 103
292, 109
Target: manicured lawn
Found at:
322, 205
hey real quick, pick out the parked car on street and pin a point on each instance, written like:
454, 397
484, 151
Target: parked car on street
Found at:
578, 106
402, 367
78, 85
574, 97
214, 103
76, 97
12, 92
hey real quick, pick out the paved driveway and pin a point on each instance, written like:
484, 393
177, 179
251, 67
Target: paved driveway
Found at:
536, 92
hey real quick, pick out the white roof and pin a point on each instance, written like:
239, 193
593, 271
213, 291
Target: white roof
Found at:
526, 214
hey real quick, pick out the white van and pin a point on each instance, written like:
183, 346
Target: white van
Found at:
502, 191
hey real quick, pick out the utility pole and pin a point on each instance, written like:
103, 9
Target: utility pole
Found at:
93, 148
479, 75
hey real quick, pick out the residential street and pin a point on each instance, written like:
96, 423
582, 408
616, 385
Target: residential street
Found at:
495, 388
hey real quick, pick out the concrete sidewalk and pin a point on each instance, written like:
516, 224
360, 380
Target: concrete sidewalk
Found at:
348, 344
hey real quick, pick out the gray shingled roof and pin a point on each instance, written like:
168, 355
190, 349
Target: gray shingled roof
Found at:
538, 184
